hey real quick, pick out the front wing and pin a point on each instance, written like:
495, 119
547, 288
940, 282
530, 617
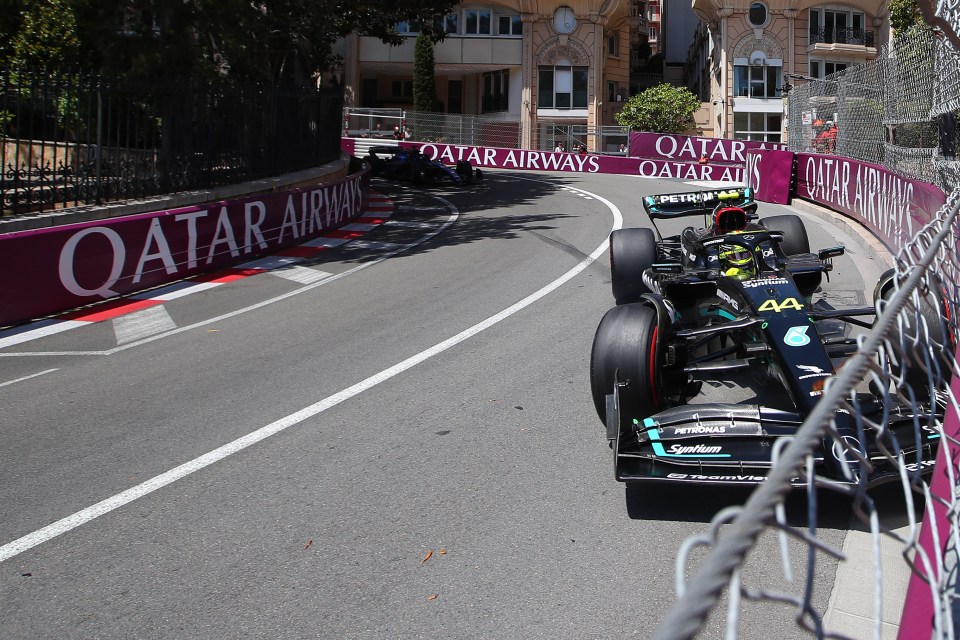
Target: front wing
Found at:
734, 443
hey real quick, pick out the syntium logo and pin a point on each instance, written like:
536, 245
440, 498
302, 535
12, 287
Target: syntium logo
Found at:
699, 449
679, 450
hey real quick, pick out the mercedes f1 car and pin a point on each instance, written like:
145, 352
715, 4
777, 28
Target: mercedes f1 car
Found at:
407, 163
734, 298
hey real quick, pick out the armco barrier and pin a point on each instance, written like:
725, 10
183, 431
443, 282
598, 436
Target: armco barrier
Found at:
73, 265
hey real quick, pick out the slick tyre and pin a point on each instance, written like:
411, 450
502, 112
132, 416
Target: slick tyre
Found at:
626, 345
794, 233
920, 340
632, 251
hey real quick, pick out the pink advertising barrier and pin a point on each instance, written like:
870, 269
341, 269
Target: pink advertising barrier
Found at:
678, 148
72, 265
770, 174
891, 206
528, 160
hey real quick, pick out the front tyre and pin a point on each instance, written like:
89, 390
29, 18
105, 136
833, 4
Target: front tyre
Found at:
626, 345
632, 251
920, 338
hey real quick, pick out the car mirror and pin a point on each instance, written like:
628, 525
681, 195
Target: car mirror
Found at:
832, 252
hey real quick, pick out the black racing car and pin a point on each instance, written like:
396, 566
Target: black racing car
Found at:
407, 163
732, 297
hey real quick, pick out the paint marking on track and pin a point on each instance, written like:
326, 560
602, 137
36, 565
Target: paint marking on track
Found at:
141, 324
33, 375
410, 224
31, 540
303, 275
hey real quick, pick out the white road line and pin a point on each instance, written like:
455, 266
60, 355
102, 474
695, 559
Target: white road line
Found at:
32, 332
303, 275
34, 375
83, 516
143, 323
175, 290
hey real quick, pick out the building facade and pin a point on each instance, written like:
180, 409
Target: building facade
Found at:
759, 46
528, 62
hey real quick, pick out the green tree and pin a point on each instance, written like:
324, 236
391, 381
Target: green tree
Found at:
904, 14
46, 35
281, 42
424, 88
661, 109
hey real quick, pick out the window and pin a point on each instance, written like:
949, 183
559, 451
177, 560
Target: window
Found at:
401, 89
496, 91
653, 34
756, 81
823, 68
841, 26
410, 27
509, 26
757, 15
477, 22
562, 87
614, 92
447, 24
764, 127
613, 45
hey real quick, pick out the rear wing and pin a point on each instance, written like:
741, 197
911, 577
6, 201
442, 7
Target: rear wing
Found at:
678, 205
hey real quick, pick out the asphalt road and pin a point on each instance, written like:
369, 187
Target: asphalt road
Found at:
466, 493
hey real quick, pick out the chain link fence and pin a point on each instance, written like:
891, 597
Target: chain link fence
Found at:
899, 111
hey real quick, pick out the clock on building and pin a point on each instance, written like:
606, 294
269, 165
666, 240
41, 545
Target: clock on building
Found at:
564, 20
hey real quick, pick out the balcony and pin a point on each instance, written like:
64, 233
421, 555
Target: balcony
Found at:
827, 39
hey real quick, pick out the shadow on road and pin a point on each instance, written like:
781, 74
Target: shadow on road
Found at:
700, 503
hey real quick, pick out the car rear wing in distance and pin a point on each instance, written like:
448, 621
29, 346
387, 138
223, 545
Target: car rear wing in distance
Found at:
678, 205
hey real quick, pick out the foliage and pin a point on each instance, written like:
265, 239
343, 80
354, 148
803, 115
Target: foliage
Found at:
661, 109
904, 14
46, 35
6, 118
279, 42
424, 89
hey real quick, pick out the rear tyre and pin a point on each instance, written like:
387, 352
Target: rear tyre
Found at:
632, 251
794, 233
626, 345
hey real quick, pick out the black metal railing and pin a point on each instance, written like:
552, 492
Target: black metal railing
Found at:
841, 36
72, 139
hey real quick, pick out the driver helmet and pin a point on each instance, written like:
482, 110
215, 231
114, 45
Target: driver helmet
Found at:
737, 262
